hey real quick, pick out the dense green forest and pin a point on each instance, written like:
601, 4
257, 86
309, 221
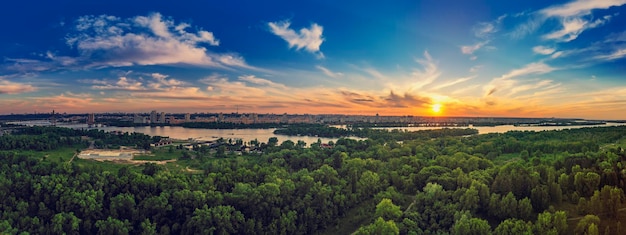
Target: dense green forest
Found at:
432, 182
320, 130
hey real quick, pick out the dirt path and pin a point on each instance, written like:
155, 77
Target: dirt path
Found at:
192, 170
72, 159
134, 162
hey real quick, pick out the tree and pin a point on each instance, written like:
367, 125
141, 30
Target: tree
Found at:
551, 223
585, 224
513, 226
470, 200
113, 226
466, 225
380, 226
387, 210
586, 183
272, 141
148, 228
65, 223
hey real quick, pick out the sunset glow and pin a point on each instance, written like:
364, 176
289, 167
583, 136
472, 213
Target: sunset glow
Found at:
436, 109
531, 59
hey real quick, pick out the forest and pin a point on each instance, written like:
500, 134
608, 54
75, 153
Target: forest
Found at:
431, 182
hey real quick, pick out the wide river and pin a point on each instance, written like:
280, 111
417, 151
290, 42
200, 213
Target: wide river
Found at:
263, 135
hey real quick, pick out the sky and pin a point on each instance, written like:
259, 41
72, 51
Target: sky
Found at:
470, 58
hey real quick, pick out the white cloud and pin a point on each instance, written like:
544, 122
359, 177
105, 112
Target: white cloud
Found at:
122, 84
469, 50
580, 7
145, 40
309, 39
506, 83
532, 68
159, 82
328, 72
543, 50
573, 17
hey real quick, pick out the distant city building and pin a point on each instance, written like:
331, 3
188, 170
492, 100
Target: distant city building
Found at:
153, 116
91, 119
162, 118
53, 119
139, 119
187, 117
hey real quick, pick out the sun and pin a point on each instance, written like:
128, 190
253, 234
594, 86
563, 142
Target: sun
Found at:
436, 108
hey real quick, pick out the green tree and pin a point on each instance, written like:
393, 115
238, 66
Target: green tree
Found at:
380, 226
513, 226
113, 226
585, 224
466, 225
387, 210
65, 223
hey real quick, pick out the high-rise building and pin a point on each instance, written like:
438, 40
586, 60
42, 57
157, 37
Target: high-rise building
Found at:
153, 116
53, 119
91, 119
162, 117
187, 117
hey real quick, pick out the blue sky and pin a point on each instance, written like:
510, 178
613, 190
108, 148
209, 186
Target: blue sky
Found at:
471, 58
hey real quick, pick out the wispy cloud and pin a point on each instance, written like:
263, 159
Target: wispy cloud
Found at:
532, 68
309, 39
453, 82
425, 76
9, 88
328, 72
483, 31
617, 54
469, 50
506, 83
543, 50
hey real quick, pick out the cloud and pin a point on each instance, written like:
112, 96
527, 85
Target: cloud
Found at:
145, 40
157, 82
428, 75
309, 39
469, 50
11, 88
404, 101
532, 68
475, 68
486, 29
543, 50
122, 84
617, 54
573, 17
580, 7
616, 37
328, 72
261, 81
506, 81
453, 82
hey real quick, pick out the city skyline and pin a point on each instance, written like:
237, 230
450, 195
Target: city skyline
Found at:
561, 59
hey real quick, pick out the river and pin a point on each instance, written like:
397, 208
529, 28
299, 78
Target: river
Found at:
263, 135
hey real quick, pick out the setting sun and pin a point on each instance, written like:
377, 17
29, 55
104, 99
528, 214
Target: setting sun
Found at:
436, 108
